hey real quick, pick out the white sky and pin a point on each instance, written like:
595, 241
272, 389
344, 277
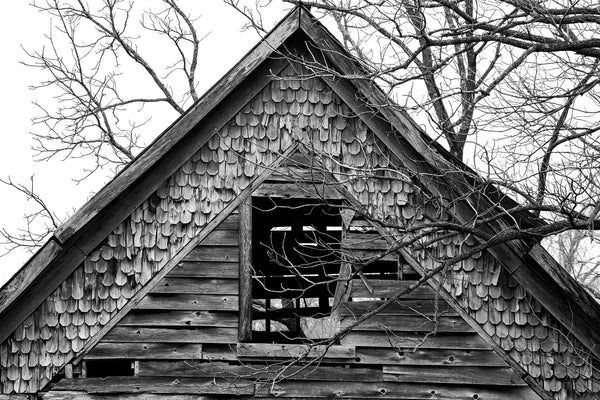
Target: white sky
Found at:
22, 26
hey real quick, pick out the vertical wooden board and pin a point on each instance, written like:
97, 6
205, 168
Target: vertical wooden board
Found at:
245, 282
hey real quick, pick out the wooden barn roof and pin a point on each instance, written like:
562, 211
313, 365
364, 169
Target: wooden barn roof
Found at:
73, 241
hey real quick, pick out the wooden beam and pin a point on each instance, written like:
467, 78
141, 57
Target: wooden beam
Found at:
25, 276
43, 285
245, 279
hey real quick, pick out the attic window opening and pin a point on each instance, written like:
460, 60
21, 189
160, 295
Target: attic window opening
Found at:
296, 265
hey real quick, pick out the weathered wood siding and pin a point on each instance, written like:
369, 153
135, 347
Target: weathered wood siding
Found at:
184, 345
191, 315
194, 305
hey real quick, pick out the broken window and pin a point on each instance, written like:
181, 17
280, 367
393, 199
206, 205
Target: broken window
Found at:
296, 264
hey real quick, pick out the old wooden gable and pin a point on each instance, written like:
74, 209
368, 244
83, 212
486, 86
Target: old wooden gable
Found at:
163, 284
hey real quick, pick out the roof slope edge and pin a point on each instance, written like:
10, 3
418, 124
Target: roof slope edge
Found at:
68, 232
554, 288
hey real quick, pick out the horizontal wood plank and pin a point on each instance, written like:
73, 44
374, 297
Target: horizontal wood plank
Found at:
362, 255
207, 269
143, 351
261, 371
189, 285
389, 288
390, 390
268, 350
426, 357
180, 318
213, 253
401, 307
219, 352
114, 384
221, 237
74, 395
297, 190
232, 222
171, 335
487, 376
410, 323
409, 341
192, 302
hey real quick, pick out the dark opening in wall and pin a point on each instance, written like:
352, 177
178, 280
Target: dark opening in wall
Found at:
296, 261
104, 368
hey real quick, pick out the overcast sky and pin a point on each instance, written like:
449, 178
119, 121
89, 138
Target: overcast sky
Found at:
21, 26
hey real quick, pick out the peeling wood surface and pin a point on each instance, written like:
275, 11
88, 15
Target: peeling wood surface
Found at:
141, 351
427, 357
165, 335
262, 372
156, 385
180, 318
205, 269
390, 390
465, 375
192, 302
267, 350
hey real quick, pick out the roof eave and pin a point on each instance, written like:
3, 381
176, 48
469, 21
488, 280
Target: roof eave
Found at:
585, 310
67, 239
